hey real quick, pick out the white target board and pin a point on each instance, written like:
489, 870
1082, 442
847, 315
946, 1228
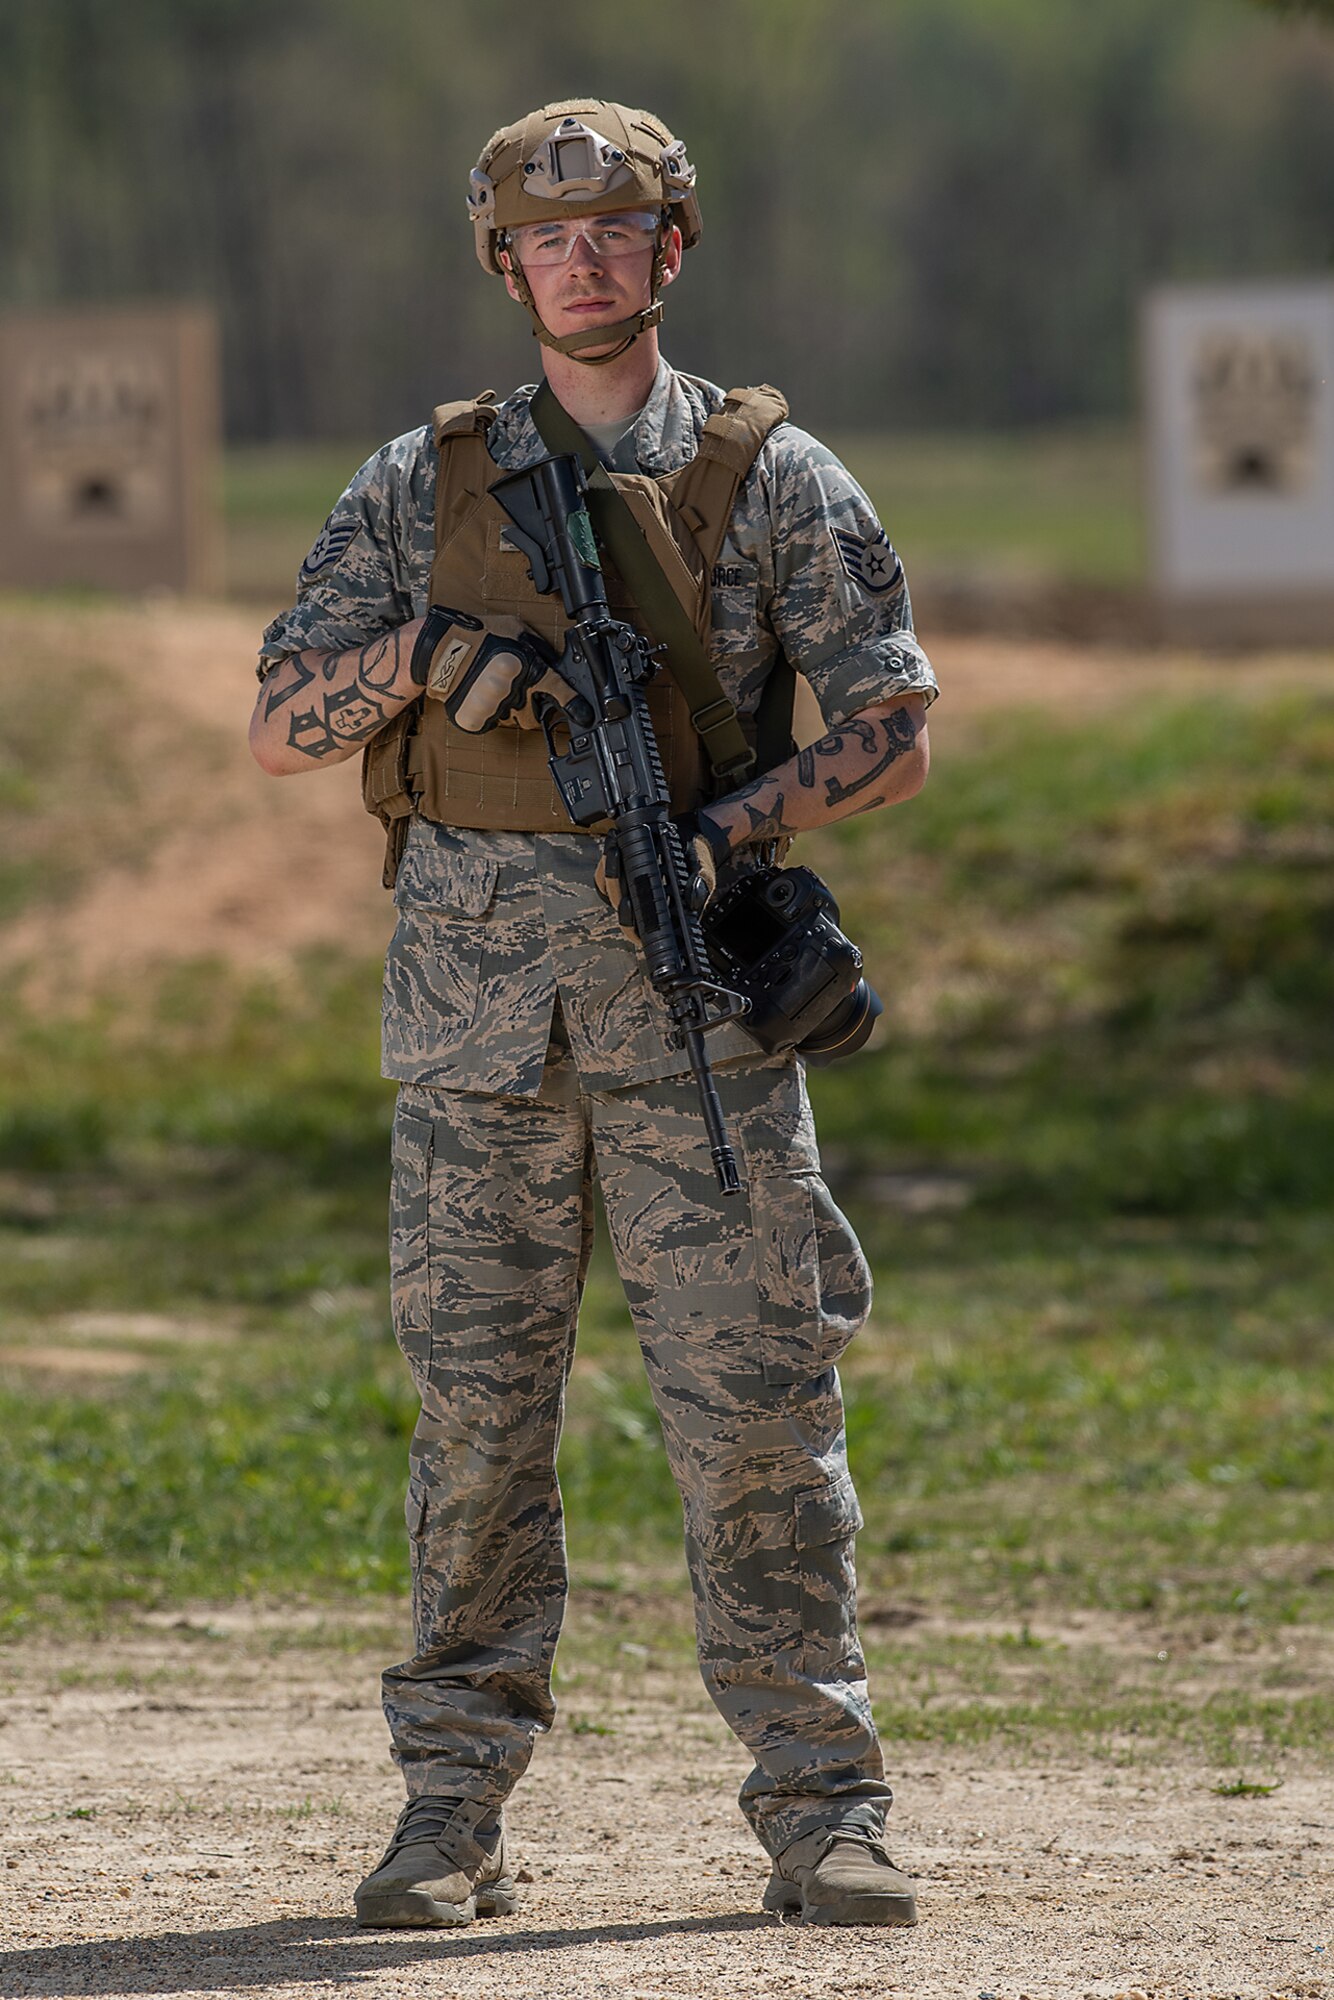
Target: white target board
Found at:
1240, 406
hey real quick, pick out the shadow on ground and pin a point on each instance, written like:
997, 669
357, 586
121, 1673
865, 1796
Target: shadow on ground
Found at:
296, 1950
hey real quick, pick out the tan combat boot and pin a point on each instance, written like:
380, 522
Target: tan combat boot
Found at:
840, 1878
421, 1883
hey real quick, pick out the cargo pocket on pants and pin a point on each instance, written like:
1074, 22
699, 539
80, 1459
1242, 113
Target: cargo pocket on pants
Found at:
827, 1520
409, 1240
813, 1282
433, 966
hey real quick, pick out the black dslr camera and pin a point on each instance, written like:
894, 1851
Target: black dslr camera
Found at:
774, 936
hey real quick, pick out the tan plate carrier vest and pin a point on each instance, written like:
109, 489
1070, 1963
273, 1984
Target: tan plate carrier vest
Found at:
421, 762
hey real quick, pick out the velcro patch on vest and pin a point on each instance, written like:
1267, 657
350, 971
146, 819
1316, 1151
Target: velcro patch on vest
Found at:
331, 544
870, 562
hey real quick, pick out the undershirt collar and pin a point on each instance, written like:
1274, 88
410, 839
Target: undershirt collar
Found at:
607, 436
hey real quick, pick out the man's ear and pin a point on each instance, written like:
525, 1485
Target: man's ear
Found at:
671, 257
503, 259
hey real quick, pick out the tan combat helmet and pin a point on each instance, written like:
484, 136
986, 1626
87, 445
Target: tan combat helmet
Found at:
584, 157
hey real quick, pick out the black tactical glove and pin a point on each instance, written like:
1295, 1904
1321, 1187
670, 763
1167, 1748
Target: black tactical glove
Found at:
483, 675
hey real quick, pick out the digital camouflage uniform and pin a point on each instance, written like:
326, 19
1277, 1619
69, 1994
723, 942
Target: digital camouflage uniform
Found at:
530, 1049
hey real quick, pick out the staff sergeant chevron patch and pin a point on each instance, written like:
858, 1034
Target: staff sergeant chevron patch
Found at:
871, 563
330, 543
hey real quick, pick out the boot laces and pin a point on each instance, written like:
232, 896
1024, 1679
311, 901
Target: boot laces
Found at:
425, 1819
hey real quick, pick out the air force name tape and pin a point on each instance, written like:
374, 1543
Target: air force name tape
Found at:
871, 562
331, 543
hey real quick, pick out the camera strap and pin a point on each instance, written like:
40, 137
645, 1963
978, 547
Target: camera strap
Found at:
714, 717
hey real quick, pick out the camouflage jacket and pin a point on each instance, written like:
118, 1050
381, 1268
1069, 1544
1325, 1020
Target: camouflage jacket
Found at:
492, 925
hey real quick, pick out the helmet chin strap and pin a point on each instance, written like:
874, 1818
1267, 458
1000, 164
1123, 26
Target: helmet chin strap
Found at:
624, 332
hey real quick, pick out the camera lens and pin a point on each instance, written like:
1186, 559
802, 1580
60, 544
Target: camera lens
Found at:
846, 1029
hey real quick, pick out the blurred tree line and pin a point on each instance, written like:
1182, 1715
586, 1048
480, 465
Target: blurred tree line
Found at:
917, 212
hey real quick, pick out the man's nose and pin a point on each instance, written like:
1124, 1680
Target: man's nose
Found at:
583, 257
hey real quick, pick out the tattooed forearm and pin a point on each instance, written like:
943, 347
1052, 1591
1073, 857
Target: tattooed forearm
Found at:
844, 773
375, 666
360, 689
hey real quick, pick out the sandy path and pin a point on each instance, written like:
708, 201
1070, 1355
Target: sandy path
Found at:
236, 1787
254, 869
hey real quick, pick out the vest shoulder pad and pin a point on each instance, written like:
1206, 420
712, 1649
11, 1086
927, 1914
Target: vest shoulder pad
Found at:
474, 414
460, 438
735, 434
704, 490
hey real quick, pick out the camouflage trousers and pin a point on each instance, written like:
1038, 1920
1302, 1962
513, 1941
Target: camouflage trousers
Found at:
741, 1307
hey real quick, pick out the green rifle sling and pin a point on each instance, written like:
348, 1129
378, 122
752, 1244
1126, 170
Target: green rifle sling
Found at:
712, 714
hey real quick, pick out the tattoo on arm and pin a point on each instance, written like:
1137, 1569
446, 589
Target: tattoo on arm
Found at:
348, 716
900, 735
765, 825
289, 679
859, 751
378, 663
360, 694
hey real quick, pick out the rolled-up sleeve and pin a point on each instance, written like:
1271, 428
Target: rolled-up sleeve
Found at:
837, 600
368, 569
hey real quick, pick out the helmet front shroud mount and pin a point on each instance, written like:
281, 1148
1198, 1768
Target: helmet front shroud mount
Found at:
576, 159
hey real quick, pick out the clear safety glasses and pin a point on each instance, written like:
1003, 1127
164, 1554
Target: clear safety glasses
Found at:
606, 236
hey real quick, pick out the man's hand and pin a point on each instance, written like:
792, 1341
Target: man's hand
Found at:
706, 847
489, 674
610, 884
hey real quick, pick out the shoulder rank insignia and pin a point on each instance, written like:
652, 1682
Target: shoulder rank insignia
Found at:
331, 543
871, 562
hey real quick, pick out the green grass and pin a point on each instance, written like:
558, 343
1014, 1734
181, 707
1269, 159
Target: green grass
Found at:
1010, 1463
1091, 1160
274, 501
1111, 953
1060, 505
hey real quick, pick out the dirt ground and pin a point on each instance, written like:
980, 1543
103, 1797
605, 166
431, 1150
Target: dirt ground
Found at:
186, 1810
258, 868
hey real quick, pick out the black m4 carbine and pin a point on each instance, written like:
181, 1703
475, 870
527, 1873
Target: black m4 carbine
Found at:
604, 759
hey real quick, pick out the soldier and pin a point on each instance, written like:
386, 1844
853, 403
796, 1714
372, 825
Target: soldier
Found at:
528, 1045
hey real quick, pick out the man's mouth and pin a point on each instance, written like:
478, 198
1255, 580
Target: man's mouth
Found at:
581, 305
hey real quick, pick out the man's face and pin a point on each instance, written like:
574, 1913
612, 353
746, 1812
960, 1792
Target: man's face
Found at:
592, 286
